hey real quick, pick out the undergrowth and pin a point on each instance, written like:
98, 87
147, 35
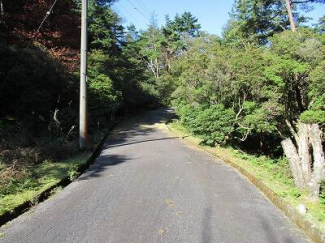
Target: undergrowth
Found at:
35, 179
30, 164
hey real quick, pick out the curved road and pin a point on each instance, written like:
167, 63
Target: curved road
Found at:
149, 187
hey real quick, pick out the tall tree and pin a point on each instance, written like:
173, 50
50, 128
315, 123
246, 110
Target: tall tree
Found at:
255, 21
290, 15
177, 33
151, 42
306, 156
320, 27
304, 4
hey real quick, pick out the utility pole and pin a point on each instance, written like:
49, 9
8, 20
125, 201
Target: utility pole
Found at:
83, 128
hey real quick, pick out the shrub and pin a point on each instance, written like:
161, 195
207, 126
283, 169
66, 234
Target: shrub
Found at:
322, 192
214, 124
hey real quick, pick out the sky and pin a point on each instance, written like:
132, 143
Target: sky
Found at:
212, 14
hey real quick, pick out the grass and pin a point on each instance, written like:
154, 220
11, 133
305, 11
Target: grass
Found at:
36, 180
274, 173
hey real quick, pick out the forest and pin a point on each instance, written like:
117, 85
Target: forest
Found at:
260, 87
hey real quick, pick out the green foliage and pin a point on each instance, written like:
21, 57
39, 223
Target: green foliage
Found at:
115, 72
34, 180
320, 27
295, 68
186, 23
312, 116
254, 22
258, 119
104, 27
213, 124
322, 192
73, 172
160, 47
262, 86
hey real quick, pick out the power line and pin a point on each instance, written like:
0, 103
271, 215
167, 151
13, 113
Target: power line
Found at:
127, 11
138, 10
47, 15
22, 54
143, 6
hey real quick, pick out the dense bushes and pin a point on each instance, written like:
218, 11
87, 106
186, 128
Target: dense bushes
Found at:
214, 124
33, 85
246, 95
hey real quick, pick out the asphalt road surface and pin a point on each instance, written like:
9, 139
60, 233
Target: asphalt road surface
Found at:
148, 186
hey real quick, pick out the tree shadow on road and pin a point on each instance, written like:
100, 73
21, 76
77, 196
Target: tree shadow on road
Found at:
161, 115
138, 142
207, 226
103, 163
129, 133
269, 232
134, 135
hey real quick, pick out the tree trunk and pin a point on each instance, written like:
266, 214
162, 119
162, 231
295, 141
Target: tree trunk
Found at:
290, 15
307, 163
319, 161
157, 68
294, 161
304, 151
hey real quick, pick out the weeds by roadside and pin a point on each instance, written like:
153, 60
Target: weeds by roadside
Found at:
37, 179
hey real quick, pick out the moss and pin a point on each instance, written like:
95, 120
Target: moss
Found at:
37, 180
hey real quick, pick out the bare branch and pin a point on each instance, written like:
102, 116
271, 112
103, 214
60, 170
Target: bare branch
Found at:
247, 128
311, 103
245, 136
280, 133
241, 109
293, 132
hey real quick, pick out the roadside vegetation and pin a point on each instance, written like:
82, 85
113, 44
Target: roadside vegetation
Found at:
258, 89
20, 185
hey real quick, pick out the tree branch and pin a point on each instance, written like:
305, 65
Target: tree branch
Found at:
293, 132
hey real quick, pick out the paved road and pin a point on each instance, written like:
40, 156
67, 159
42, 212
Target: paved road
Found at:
149, 187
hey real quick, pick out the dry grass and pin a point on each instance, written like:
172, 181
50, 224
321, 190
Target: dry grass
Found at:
30, 163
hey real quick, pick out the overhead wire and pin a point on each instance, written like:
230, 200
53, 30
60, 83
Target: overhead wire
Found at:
47, 15
144, 7
138, 10
22, 54
127, 11
140, 3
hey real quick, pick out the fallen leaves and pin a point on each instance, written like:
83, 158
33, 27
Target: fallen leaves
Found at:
169, 203
162, 231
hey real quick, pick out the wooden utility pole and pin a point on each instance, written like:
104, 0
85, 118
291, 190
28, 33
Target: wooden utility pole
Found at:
292, 21
83, 128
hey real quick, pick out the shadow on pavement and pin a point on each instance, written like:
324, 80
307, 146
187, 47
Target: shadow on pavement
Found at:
137, 142
156, 116
206, 227
102, 163
130, 133
270, 234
